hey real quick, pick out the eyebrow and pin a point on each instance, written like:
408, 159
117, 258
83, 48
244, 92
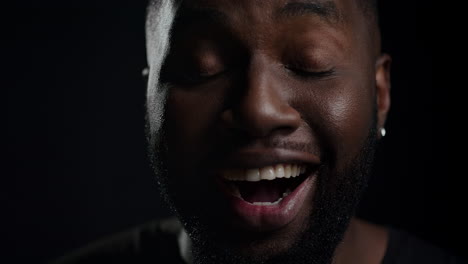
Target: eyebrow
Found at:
326, 10
190, 15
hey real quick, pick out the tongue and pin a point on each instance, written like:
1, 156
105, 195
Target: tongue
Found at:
262, 191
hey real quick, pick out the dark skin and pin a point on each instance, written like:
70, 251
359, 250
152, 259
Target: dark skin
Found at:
260, 81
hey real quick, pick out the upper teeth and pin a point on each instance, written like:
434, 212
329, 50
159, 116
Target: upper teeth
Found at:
265, 173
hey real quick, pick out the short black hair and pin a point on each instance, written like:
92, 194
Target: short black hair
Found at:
370, 9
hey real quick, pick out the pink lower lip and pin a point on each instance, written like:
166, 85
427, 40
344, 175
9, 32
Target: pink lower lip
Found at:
270, 217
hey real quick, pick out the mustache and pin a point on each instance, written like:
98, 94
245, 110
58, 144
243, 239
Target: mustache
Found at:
295, 145
230, 146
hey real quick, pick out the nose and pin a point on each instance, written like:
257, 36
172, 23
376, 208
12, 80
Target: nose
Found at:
262, 107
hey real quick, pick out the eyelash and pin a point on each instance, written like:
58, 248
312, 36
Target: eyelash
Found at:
195, 78
311, 74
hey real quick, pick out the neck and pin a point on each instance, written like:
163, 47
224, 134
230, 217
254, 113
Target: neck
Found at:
363, 243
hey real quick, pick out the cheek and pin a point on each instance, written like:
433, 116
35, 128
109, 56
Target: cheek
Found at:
190, 119
351, 115
342, 116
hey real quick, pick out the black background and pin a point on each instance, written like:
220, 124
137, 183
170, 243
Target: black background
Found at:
77, 167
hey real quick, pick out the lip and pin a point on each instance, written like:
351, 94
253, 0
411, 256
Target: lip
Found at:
261, 218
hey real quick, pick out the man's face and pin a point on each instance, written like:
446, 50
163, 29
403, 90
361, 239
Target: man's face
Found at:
270, 123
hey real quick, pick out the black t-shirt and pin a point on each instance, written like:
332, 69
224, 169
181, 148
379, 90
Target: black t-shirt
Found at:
159, 242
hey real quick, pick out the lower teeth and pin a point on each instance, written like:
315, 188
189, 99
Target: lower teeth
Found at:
267, 203
286, 193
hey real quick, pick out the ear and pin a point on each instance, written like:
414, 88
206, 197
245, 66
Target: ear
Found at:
383, 85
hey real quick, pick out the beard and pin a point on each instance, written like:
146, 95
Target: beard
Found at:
337, 198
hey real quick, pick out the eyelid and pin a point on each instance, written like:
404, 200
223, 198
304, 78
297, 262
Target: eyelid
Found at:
198, 78
311, 73
210, 73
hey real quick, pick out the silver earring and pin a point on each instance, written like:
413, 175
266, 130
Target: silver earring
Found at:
145, 72
383, 132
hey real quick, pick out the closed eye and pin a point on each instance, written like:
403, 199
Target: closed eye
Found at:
190, 77
311, 74
197, 78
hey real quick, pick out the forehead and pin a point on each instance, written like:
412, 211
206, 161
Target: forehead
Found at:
267, 24
260, 19
334, 12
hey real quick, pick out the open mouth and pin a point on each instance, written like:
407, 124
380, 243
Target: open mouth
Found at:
266, 186
268, 198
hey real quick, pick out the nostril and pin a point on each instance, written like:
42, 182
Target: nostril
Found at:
228, 120
263, 122
227, 116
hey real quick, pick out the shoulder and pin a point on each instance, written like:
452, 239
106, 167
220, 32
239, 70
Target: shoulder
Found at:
154, 242
404, 248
